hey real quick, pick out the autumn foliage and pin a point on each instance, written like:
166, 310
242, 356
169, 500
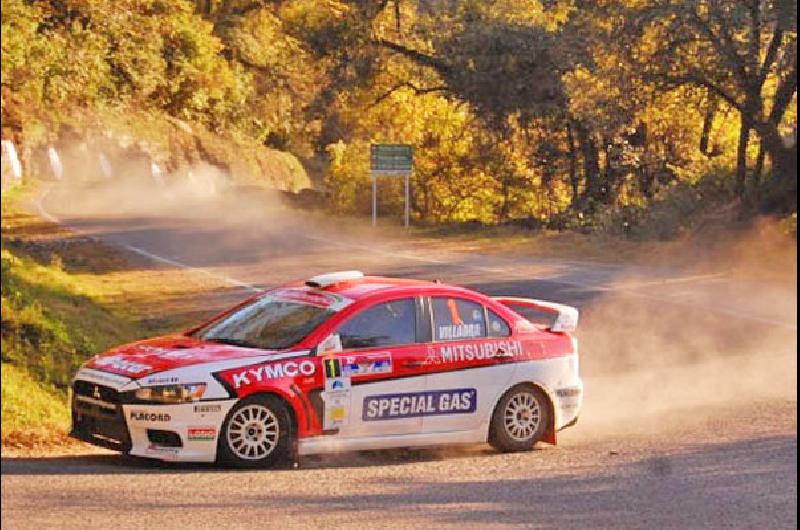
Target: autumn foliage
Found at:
556, 113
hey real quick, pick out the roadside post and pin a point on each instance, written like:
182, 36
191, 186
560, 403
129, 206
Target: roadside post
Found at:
391, 160
12, 169
55, 163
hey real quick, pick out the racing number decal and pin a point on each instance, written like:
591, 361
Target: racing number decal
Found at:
333, 367
336, 397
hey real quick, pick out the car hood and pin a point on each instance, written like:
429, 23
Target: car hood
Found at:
147, 357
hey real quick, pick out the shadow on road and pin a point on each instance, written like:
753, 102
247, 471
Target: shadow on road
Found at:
748, 483
744, 483
113, 464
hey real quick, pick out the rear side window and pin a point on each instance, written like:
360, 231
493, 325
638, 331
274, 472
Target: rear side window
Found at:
387, 324
457, 319
497, 326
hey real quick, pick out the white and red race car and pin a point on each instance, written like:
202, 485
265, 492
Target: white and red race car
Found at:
340, 362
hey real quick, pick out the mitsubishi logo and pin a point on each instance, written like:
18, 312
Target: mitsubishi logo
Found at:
96, 392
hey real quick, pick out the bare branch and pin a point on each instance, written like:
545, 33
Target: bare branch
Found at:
699, 81
417, 56
407, 84
724, 45
772, 54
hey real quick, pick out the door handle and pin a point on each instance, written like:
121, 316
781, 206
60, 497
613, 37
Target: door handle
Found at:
502, 353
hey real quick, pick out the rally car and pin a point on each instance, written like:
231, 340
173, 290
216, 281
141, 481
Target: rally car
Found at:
340, 362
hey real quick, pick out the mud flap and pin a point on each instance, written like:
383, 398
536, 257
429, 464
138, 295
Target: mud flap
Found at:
550, 435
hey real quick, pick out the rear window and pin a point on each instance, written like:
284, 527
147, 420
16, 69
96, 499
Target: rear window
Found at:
457, 319
497, 326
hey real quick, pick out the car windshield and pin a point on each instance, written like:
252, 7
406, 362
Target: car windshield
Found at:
267, 323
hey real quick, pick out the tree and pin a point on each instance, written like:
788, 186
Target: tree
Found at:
743, 52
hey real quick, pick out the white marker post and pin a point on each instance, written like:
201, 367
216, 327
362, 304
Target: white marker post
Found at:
105, 165
10, 157
158, 176
55, 163
391, 160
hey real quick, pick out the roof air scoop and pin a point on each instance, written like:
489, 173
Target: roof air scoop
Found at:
324, 280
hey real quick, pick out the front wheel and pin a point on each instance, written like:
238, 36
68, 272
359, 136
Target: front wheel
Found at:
520, 419
256, 433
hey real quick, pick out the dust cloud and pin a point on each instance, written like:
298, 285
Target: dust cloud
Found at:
133, 192
667, 354
654, 354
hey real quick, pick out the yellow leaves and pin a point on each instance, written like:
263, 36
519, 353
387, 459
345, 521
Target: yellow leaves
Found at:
527, 12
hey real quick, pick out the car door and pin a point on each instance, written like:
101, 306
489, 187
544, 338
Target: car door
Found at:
469, 364
383, 360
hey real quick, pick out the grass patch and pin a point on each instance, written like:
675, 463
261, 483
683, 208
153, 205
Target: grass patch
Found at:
33, 412
50, 321
66, 297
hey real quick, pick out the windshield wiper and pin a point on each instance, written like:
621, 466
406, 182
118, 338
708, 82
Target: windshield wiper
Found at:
234, 342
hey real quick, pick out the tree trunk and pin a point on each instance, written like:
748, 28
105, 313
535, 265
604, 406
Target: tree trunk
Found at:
759, 168
741, 156
783, 162
591, 167
708, 122
779, 193
574, 178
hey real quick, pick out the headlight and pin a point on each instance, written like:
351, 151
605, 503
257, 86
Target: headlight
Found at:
171, 393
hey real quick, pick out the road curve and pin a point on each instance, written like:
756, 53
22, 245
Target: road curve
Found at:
690, 417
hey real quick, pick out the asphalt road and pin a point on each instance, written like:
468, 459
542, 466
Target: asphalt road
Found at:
690, 416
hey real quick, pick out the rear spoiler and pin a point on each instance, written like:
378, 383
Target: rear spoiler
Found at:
566, 316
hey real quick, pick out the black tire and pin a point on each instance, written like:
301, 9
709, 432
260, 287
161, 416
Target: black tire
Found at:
512, 428
264, 441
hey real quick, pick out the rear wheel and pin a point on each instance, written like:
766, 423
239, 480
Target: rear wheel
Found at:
256, 433
520, 419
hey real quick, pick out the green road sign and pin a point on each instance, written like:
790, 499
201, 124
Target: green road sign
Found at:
391, 159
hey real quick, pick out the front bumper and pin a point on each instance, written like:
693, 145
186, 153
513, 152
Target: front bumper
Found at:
184, 433
99, 423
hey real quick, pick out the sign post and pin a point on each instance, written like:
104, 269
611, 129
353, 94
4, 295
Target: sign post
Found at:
390, 160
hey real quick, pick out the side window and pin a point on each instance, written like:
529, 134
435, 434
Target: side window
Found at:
497, 326
457, 319
386, 324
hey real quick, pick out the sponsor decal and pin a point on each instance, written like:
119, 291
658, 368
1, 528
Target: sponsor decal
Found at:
177, 354
568, 392
207, 409
144, 415
116, 362
166, 353
336, 399
415, 404
160, 380
460, 331
450, 353
367, 364
275, 370
202, 434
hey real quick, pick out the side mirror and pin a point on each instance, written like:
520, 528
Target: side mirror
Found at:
331, 344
